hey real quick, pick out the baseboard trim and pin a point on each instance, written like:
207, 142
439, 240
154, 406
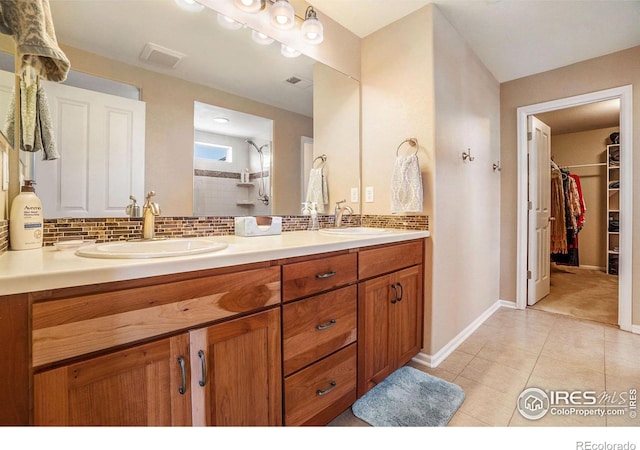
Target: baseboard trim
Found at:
602, 269
635, 329
433, 361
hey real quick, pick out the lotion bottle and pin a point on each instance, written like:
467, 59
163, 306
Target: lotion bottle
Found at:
25, 220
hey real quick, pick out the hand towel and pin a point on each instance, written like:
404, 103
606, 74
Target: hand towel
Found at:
40, 136
30, 24
317, 190
406, 185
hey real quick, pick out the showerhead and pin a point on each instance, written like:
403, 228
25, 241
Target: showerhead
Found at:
258, 149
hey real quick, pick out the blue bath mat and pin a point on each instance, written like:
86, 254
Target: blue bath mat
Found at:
409, 398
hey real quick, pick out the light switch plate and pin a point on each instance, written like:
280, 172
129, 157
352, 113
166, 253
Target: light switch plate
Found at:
368, 194
354, 194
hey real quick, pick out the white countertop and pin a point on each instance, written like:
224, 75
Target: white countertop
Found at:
48, 268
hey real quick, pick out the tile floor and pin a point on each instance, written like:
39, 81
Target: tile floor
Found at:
517, 349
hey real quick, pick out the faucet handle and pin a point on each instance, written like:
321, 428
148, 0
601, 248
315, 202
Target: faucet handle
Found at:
340, 202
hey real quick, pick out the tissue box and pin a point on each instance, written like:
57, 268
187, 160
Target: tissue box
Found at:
258, 226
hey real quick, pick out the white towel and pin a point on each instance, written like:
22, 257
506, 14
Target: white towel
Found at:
317, 190
406, 185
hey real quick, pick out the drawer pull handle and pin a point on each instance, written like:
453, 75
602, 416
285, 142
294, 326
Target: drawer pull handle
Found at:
326, 391
401, 291
327, 325
203, 363
321, 276
183, 372
395, 293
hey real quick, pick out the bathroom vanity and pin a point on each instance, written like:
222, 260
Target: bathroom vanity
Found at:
275, 330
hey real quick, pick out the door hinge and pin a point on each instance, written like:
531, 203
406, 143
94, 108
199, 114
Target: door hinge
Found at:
529, 136
528, 274
530, 206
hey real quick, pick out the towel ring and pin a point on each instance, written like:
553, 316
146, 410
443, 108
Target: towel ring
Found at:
413, 142
321, 157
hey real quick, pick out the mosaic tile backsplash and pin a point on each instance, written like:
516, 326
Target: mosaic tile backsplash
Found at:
124, 228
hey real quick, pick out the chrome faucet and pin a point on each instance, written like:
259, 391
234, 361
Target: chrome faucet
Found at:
149, 212
340, 211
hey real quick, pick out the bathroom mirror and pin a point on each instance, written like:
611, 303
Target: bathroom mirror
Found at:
106, 38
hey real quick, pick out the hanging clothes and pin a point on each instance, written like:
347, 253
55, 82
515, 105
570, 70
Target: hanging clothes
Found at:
574, 218
558, 228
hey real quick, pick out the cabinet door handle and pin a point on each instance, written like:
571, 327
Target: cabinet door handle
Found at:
326, 391
327, 325
183, 372
203, 363
395, 293
401, 291
321, 276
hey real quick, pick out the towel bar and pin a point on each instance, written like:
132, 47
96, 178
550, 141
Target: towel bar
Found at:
321, 157
413, 142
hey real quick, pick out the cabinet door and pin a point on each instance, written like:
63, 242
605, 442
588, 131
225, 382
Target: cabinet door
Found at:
375, 355
407, 314
140, 386
236, 372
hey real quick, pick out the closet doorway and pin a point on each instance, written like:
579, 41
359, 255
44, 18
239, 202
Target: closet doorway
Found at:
525, 280
581, 245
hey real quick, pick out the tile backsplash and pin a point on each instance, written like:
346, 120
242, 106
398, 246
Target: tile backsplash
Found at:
123, 228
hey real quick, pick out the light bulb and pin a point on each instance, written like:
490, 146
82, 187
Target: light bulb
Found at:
228, 23
190, 5
250, 6
261, 38
312, 31
282, 15
289, 52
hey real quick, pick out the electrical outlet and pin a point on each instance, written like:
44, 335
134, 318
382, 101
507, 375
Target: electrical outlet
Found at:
354, 195
368, 194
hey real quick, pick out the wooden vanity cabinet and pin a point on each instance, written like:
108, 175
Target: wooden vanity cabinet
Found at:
93, 371
138, 386
389, 311
319, 333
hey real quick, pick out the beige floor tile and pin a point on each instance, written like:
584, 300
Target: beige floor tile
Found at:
581, 351
522, 338
509, 356
455, 362
474, 343
557, 374
566, 328
486, 404
622, 366
347, 419
614, 334
496, 376
436, 372
461, 419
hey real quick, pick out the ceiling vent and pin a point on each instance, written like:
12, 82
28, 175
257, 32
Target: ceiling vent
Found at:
298, 82
161, 56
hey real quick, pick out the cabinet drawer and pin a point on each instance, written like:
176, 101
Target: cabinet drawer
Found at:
76, 326
389, 259
309, 277
317, 394
318, 326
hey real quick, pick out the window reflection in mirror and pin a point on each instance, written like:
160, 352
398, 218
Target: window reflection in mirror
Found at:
232, 162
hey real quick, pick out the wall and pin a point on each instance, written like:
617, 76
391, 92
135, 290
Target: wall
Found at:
588, 147
614, 70
465, 226
422, 92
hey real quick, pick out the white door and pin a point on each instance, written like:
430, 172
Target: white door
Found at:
539, 258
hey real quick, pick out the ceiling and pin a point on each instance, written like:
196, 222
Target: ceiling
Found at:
514, 38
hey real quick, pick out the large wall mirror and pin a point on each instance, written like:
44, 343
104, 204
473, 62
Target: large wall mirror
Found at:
218, 71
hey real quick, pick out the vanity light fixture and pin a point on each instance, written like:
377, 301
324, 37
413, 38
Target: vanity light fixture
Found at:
261, 38
228, 23
312, 29
282, 14
289, 52
250, 6
190, 5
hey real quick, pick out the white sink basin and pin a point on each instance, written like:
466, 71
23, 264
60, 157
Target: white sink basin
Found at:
150, 249
356, 231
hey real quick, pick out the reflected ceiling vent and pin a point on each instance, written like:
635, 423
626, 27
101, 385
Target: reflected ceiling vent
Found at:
161, 56
298, 82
